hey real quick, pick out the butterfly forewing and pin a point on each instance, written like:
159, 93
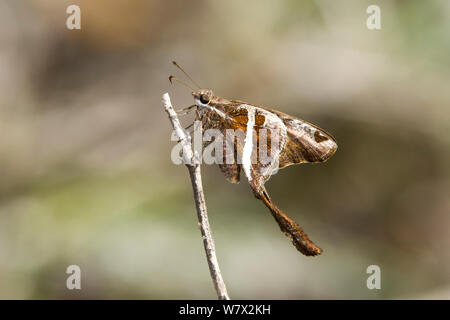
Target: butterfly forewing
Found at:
277, 140
305, 142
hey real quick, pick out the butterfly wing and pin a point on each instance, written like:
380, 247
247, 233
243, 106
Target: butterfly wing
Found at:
231, 129
264, 140
305, 142
288, 141
261, 121
232, 172
253, 139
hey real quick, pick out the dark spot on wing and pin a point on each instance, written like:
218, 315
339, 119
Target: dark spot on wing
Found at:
320, 137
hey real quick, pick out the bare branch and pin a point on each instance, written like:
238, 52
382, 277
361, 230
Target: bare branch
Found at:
190, 160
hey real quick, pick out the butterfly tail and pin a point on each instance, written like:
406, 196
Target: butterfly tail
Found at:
298, 237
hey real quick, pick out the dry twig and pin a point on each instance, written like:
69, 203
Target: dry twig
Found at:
190, 159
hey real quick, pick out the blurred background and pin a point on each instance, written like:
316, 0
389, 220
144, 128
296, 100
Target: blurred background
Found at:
85, 170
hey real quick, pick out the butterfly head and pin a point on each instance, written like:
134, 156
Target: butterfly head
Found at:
203, 97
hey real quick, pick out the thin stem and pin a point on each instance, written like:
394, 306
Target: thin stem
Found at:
190, 160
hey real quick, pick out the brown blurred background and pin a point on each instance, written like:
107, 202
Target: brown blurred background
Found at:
86, 175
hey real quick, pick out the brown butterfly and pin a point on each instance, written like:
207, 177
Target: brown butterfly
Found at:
287, 140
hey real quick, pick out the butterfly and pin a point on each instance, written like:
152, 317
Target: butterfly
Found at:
285, 140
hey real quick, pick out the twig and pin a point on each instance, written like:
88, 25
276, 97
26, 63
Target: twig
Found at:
190, 159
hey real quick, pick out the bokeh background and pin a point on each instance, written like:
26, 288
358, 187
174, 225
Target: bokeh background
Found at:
85, 170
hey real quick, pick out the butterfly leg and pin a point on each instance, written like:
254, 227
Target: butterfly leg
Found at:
185, 110
189, 126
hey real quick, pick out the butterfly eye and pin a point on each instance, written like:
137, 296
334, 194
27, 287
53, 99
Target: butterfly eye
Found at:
204, 99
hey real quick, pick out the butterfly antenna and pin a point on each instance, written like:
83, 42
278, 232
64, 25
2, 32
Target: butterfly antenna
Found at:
182, 82
186, 74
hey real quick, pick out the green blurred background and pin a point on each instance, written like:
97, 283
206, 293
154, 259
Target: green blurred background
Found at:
86, 176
